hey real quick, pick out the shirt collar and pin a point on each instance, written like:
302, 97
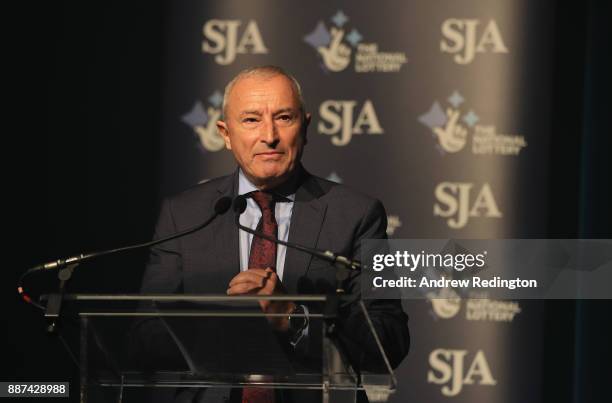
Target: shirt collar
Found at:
245, 186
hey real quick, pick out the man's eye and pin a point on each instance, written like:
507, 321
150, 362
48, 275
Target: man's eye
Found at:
286, 118
249, 120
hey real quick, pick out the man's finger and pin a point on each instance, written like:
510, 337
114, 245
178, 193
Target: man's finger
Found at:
261, 272
273, 285
242, 288
248, 277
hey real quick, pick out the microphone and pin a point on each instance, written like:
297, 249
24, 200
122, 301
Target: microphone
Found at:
239, 205
67, 265
221, 206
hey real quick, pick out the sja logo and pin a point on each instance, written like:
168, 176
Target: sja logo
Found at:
203, 122
465, 38
338, 120
455, 201
448, 368
337, 46
221, 38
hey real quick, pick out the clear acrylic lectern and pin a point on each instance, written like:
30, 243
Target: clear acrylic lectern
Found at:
209, 345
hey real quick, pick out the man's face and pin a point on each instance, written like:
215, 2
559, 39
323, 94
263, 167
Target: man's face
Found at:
265, 129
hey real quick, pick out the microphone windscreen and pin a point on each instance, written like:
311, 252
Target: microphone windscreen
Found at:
239, 204
222, 205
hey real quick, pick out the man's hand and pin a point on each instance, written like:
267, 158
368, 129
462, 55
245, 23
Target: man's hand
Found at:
263, 282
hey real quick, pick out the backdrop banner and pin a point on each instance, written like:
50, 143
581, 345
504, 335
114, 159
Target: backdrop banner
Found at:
441, 109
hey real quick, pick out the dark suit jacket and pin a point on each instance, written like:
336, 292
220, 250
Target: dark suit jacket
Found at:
326, 216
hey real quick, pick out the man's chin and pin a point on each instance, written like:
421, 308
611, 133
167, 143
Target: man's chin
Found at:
268, 180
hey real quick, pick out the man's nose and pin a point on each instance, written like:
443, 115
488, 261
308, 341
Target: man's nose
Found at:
270, 133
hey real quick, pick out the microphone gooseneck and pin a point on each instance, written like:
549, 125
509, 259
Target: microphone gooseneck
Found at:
221, 206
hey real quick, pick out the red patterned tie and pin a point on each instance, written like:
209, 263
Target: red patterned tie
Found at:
263, 252
263, 255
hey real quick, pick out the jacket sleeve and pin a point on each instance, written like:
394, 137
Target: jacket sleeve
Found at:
149, 344
388, 318
163, 273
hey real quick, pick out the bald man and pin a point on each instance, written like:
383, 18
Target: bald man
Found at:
265, 127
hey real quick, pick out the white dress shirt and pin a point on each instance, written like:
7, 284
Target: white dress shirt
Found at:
250, 218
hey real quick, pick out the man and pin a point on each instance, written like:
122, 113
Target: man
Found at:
264, 126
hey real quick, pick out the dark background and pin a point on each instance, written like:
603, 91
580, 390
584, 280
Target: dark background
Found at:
83, 169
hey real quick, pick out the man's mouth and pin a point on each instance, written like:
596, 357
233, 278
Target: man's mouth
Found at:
269, 154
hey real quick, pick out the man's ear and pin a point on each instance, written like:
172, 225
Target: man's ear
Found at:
224, 132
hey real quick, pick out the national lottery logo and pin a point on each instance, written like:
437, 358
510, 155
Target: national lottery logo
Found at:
339, 43
202, 120
446, 304
393, 224
454, 125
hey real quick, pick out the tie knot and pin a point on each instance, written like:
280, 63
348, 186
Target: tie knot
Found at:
264, 200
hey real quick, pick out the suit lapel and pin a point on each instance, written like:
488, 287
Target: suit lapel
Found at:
306, 221
225, 234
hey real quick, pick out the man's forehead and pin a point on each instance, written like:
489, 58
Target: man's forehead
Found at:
259, 88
